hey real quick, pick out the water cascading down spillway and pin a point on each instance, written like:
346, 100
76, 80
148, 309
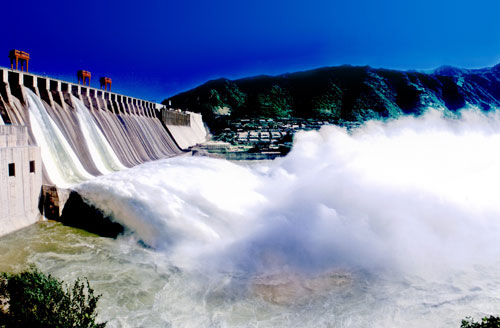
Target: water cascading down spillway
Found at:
60, 160
77, 147
102, 154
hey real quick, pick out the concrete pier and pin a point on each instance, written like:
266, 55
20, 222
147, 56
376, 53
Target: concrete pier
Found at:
20, 179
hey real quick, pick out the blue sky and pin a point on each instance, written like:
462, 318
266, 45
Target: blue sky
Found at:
155, 49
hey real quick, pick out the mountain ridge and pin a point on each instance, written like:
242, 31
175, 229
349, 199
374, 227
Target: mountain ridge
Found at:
351, 93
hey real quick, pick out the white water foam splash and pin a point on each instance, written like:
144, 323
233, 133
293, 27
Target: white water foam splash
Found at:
406, 209
409, 195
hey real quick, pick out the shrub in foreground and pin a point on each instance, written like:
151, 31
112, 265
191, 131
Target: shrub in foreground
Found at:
486, 322
36, 300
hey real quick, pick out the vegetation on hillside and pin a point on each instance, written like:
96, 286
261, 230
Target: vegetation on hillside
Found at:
36, 300
344, 93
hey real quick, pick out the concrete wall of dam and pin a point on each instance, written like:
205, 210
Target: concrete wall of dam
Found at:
84, 132
130, 125
187, 128
133, 127
20, 179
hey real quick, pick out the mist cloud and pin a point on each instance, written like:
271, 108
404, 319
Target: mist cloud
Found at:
408, 194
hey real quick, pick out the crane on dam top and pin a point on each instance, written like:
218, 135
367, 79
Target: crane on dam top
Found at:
83, 76
22, 57
19, 56
105, 82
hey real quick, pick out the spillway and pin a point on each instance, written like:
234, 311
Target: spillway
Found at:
78, 144
82, 133
102, 154
60, 160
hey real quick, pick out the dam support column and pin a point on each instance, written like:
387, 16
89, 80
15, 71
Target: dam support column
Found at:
140, 110
4, 75
108, 97
127, 105
56, 92
5, 96
143, 107
93, 99
15, 82
112, 101
121, 105
43, 89
30, 81
5, 91
126, 102
131, 106
137, 107
69, 89
135, 104
151, 110
85, 97
100, 100
107, 104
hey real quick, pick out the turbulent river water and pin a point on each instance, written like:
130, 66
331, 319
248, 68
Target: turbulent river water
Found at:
394, 224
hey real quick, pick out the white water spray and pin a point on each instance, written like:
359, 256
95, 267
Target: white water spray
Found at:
410, 203
405, 195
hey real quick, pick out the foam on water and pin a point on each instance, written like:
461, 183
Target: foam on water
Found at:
390, 225
409, 194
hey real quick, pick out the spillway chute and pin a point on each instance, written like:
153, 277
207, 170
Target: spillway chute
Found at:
100, 150
60, 160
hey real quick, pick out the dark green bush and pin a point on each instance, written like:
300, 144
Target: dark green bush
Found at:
486, 322
36, 300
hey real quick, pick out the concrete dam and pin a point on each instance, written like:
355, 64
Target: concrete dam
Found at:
67, 133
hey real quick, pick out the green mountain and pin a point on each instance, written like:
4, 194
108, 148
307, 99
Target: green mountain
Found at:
345, 92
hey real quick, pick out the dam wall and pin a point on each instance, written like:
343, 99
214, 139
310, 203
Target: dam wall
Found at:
82, 132
58, 91
187, 128
20, 179
131, 127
